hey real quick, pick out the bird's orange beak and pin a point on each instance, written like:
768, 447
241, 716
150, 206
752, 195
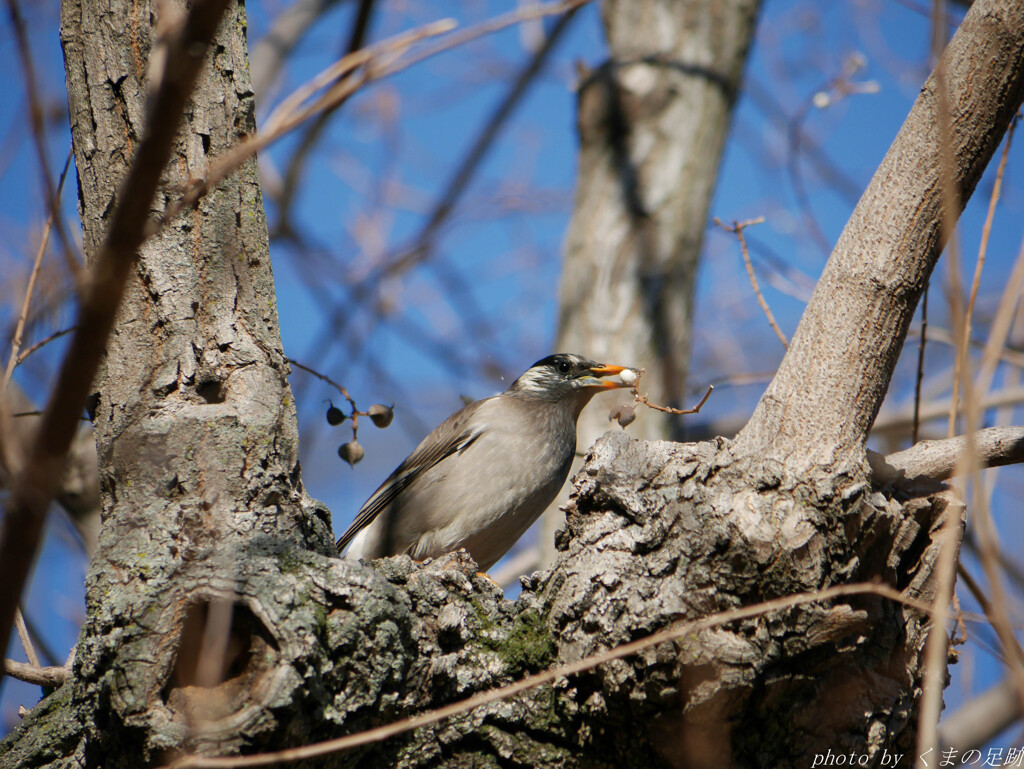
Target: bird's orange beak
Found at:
603, 369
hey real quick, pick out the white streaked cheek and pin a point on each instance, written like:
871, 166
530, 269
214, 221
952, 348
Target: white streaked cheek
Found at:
535, 382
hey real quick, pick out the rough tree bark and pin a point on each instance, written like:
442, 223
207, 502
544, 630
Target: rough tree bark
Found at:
652, 124
205, 519
194, 422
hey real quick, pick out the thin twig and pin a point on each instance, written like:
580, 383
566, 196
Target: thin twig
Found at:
11, 452
986, 231
268, 54
737, 229
975, 723
419, 248
1004, 417
894, 420
356, 413
324, 378
42, 343
936, 645
841, 85
766, 100
642, 398
939, 334
999, 331
46, 654
962, 351
19, 330
311, 137
26, 641
38, 123
1010, 567
919, 376
340, 84
457, 290
983, 524
948, 536
466, 170
1014, 652
548, 676
988, 542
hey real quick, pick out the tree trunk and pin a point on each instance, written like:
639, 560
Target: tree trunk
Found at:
652, 124
194, 421
206, 527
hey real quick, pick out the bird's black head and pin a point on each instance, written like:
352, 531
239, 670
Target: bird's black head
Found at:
559, 376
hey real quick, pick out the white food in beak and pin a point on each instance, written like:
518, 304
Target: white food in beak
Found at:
627, 376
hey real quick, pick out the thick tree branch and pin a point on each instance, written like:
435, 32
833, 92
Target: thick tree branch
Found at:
36, 483
937, 460
824, 398
550, 675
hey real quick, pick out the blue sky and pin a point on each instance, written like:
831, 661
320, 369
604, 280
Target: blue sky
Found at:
505, 239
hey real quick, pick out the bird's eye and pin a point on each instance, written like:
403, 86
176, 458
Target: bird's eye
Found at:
563, 367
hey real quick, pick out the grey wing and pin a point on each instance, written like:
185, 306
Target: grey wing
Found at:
453, 435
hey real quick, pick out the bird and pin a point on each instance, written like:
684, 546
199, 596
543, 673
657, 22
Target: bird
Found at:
485, 474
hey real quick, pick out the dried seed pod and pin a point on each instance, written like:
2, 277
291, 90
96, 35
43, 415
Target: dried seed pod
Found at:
381, 414
351, 452
335, 416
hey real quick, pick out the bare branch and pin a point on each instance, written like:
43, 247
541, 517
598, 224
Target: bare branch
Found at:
642, 398
341, 81
999, 331
737, 229
423, 241
983, 247
36, 112
19, 330
33, 674
42, 343
421, 247
937, 460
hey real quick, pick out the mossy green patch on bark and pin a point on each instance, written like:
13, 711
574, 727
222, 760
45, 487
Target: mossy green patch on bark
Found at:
528, 646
